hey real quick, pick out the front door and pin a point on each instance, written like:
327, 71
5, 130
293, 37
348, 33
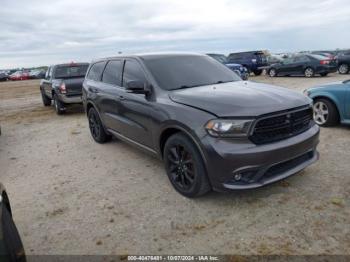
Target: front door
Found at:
347, 101
136, 110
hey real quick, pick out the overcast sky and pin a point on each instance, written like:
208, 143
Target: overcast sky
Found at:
34, 32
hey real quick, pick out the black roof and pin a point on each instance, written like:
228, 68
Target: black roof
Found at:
150, 56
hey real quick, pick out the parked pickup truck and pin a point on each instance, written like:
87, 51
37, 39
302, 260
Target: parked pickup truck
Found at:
63, 85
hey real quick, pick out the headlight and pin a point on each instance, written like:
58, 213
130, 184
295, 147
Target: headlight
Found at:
306, 92
228, 127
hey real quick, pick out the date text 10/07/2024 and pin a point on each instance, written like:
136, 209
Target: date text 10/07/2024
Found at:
173, 258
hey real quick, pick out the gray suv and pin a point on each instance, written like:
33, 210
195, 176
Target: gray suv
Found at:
211, 129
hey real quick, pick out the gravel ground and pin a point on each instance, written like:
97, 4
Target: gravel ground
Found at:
71, 195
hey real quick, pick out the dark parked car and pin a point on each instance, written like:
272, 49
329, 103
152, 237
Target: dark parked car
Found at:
304, 64
239, 69
331, 103
63, 84
37, 74
212, 130
11, 247
3, 76
343, 61
254, 61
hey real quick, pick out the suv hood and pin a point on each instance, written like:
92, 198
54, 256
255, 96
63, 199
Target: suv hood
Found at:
239, 99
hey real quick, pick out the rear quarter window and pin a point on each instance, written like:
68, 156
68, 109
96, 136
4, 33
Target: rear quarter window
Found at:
95, 72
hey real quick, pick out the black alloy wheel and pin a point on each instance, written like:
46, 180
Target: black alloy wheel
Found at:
181, 167
96, 128
185, 166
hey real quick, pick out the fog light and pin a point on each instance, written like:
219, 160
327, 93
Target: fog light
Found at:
237, 177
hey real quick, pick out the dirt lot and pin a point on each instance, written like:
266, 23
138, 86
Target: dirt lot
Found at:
71, 195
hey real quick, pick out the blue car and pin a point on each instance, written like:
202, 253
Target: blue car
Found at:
239, 69
331, 103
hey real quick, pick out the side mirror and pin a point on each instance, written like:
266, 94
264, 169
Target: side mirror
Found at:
137, 87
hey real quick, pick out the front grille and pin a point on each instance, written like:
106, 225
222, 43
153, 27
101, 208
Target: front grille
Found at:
282, 126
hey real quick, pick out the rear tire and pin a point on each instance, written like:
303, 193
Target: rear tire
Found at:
309, 72
97, 130
12, 240
324, 107
185, 167
46, 100
59, 106
343, 69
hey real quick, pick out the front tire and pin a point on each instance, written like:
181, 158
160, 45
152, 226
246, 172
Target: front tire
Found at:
325, 113
343, 69
309, 72
185, 167
272, 72
11, 238
97, 130
59, 106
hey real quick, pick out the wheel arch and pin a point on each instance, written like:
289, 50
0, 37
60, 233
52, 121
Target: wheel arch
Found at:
89, 105
6, 201
330, 99
173, 129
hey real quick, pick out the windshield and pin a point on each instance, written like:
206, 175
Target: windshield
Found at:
68, 71
177, 72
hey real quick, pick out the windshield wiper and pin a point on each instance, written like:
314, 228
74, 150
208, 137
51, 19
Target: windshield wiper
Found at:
222, 82
190, 86
187, 86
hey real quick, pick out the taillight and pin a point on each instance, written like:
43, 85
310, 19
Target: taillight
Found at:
324, 62
62, 88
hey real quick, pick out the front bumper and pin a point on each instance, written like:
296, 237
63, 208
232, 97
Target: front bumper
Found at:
70, 99
258, 165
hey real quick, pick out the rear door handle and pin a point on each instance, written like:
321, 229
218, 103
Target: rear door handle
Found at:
121, 98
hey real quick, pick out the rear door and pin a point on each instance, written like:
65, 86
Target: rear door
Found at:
111, 94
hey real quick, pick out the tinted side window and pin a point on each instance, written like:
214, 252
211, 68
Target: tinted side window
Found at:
133, 71
96, 70
113, 73
300, 59
48, 73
